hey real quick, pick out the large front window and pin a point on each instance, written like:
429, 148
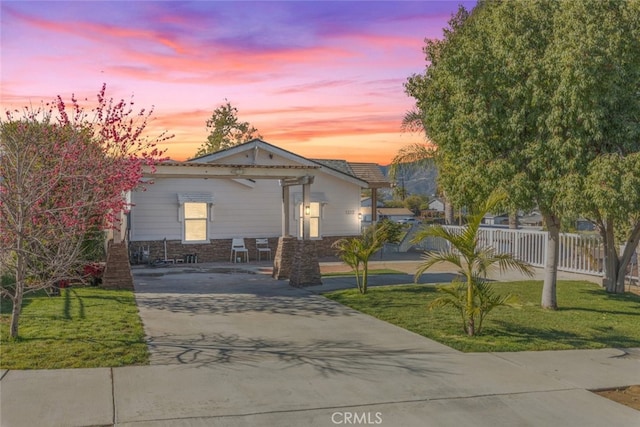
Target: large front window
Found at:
195, 222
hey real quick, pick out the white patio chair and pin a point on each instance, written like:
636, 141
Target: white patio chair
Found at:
262, 247
238, 248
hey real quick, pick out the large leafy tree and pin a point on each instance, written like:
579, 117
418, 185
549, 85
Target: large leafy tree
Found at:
594, 121
494, 96
226, 130
63, 174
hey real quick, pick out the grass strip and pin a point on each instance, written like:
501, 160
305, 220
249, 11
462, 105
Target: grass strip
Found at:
84, 327
588, 317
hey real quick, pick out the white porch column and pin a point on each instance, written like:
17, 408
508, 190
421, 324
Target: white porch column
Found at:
286, 210
306, 213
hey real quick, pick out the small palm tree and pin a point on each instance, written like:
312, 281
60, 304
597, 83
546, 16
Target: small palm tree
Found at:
356, 251
474, 297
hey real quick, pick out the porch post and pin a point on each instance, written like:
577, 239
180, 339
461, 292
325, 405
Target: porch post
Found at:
297, 259
286, 208
305, 269
306, 214
283, 259
374, 205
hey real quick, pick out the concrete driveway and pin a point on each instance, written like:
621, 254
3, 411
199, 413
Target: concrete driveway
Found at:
244, 349
206, 319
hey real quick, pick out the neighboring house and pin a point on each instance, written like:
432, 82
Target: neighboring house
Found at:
395, 214
583, 224
436, 205
491, 219
365, 209
366, 203
253, 190
532, 220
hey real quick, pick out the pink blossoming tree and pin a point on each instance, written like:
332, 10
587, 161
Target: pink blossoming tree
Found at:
64, 172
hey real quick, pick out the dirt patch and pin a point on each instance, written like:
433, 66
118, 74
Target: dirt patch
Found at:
629, 396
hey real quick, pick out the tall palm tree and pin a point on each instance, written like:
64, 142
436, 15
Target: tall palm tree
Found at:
417, 155
474, 298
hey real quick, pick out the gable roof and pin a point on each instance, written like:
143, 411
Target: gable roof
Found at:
371, 173
339, 165
366, 175
255, 144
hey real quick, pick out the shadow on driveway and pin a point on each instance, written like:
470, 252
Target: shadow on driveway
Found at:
326, 357
241, 320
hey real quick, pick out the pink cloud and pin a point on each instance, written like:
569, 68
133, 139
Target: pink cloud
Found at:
322, 75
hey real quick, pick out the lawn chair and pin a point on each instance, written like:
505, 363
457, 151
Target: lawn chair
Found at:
262, 247
238, 248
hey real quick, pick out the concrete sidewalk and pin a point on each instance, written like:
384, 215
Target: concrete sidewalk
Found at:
246, 350
433, 390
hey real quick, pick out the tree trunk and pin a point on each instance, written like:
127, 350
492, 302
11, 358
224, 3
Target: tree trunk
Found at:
549, 299
470, 303
15, 312
449, 215
611, 261
358, 283
19, 291
638, 263
365, 277
513, 221
616, 266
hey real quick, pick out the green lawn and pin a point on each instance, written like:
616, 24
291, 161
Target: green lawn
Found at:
83, 327
588, 317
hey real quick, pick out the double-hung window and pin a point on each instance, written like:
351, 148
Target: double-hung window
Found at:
195, 213
195, 222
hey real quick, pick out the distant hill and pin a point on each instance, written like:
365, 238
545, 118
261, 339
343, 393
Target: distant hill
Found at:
417, 180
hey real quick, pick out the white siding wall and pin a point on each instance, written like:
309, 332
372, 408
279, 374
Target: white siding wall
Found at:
154, 214
239, 210
340, 213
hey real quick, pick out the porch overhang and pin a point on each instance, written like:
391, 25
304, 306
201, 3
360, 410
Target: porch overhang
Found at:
222, 171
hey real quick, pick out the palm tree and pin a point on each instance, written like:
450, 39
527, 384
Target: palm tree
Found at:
417, 155
356, 251
474, 297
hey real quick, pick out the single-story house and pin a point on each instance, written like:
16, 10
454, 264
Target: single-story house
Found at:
194, 209
436, 205
532, 220
395, 214
583, 224
496, 219
365, 202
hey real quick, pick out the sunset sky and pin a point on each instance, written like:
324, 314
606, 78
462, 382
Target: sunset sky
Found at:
321, 79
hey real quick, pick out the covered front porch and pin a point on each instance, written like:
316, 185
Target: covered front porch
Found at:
293, 257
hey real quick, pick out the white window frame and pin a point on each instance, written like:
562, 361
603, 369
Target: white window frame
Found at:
196, 219
195, 198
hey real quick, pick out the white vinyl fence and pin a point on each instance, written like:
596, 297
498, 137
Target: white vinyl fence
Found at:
578, 253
